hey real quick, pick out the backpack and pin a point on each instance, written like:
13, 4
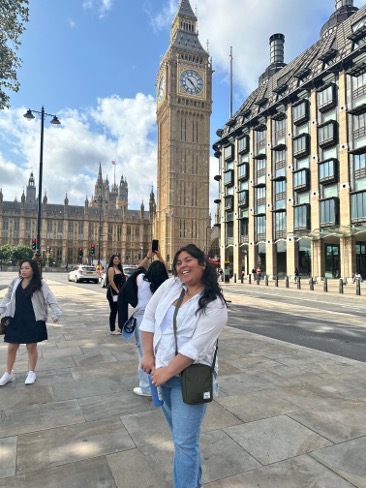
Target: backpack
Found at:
128, 296
128, 292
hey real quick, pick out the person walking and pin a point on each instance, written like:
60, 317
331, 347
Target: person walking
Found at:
147, 284
201, 317
258, 273
115, 279
26, 303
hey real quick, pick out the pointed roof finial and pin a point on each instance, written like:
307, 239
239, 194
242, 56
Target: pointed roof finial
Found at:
186, 9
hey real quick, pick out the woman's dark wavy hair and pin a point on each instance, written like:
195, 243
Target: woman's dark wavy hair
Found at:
156, 275
211, 290
110, 264
36, 281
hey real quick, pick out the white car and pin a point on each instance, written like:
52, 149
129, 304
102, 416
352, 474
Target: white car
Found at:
83, 272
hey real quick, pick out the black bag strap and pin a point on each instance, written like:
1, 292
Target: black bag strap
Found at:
177, 305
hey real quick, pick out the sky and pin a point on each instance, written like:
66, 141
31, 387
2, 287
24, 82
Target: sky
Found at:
94, 64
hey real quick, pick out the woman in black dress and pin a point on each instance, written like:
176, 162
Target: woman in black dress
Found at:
115, 280
26, 303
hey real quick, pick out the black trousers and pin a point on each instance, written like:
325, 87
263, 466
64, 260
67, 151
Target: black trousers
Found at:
113, 311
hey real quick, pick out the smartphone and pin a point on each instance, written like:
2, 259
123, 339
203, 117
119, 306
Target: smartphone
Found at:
155, 245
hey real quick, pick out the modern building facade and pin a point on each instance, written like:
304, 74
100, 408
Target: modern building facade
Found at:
73, 234
292, 159
184, 103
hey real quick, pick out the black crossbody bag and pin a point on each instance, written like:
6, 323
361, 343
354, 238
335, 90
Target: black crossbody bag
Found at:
197, 378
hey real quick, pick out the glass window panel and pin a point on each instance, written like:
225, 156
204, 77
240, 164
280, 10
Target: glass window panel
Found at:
330, 191
302, 129
359, 161
303, 163
329, 153
360, 184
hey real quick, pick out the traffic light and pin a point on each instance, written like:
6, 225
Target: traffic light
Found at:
34, 244
92, 249
80, 254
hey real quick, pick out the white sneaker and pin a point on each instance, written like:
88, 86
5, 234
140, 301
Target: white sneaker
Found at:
6, 378
31, 378
139, 392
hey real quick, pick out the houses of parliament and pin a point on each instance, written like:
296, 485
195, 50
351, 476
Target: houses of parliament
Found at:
103, 226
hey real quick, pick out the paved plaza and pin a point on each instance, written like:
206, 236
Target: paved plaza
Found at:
286, 416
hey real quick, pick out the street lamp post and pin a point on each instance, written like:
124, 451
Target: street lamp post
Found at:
100, 229
55, 121
100, 200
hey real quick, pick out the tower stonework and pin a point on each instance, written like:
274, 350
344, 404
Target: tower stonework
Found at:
184, 104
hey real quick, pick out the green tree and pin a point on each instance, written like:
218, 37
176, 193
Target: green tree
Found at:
13, 16
6, 253
20, 253
14, 254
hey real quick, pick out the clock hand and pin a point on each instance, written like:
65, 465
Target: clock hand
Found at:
191, 82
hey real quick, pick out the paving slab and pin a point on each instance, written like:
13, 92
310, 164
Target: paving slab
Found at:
53, 447
299, 472
346, 459
276, 439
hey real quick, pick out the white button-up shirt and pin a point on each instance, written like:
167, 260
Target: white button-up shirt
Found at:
196, 333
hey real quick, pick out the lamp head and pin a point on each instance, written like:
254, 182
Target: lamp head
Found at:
55, 120
29, 115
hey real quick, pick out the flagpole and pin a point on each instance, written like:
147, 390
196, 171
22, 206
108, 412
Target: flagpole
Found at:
114, 166
231, 81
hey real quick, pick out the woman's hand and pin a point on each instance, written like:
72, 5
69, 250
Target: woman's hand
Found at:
55, 321
148, 362
160, 376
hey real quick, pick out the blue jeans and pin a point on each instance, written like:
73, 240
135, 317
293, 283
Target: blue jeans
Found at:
185, 423
143, 377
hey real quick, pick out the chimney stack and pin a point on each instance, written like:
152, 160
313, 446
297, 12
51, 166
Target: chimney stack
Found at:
277, 46
343, 3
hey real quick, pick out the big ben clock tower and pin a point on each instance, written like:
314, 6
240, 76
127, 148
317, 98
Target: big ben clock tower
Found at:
184, 100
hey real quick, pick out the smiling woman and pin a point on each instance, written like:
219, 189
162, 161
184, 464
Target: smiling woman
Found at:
26, 303
195, 298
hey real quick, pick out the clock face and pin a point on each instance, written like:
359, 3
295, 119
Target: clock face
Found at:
161, 89
191, 82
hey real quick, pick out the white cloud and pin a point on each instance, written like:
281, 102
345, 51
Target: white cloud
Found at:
102, 6
105, 7
117, 129
163, 19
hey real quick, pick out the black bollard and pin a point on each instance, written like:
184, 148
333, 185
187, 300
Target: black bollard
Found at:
276, 281
358, 287
234, 277
266, 280
340, 285
311, 283
325, 284
287, 282
250, 278
298, 283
